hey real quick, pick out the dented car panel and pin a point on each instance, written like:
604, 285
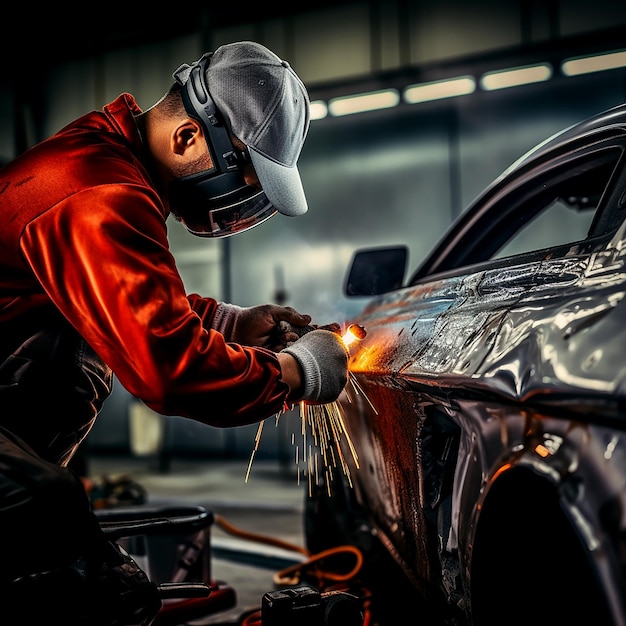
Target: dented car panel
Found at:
534, 333
488, 407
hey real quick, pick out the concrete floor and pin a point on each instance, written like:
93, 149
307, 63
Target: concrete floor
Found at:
267, 501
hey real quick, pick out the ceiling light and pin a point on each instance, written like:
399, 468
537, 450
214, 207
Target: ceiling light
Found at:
502, 79
439, 89
598, 63
360, 103
318, 110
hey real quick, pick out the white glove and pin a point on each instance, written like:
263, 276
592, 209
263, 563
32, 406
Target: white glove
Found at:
323, 357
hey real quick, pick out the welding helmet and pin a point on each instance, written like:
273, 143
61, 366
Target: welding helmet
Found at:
242, 89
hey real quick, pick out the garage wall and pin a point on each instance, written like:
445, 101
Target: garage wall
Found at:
395, 176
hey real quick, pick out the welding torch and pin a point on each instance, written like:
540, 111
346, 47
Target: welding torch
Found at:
354, 331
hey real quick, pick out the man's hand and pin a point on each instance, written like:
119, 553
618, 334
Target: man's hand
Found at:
267, 325
261, 326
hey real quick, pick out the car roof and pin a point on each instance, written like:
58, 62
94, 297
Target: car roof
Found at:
614, 118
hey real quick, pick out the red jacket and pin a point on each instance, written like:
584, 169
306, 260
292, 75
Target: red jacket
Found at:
84, 233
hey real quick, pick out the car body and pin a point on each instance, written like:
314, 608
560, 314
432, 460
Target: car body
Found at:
487, 408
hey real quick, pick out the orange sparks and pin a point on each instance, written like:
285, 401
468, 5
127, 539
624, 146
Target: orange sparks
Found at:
322, 430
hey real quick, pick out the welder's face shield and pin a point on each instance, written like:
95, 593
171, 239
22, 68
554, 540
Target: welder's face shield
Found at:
216, 202
205, 211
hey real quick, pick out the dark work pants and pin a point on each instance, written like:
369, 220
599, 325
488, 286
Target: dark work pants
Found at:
45, 514
51, 390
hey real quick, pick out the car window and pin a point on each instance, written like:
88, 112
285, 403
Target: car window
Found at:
538, 212
563, 209
558, 223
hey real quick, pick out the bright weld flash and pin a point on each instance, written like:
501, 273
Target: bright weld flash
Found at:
354, 332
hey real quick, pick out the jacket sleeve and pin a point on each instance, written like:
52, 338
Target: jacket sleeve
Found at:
103, 257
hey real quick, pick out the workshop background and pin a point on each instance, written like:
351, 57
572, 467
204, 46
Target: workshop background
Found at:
398, 174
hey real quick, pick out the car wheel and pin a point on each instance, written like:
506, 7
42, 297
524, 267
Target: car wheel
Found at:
333, 517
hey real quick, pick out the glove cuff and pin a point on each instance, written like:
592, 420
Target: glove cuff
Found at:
312, 378
225, 319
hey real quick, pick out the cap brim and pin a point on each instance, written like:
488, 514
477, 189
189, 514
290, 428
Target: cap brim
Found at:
282, 185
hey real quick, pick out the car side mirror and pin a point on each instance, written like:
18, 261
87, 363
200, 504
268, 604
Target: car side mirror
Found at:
376, 270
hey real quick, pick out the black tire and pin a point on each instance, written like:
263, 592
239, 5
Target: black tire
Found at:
333, 517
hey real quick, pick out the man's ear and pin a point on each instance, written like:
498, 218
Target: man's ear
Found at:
187, 136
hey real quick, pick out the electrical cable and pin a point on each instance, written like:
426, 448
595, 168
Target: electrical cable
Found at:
231, 529
281, 578
293, 575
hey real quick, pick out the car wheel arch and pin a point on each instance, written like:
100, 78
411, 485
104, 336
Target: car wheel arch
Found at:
527, 554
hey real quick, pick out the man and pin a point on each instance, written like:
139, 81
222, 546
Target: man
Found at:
89, 288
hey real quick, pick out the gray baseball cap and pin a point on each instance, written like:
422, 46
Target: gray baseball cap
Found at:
266, 106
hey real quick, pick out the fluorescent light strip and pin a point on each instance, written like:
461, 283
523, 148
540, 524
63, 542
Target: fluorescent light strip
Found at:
439, 89
318, 110
464, 85
360, 103
501, 79
598, 63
